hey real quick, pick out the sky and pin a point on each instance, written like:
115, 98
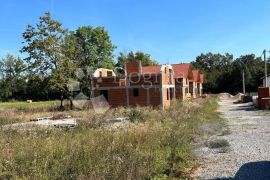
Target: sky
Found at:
171, 31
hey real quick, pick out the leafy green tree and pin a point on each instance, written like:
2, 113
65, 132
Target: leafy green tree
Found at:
12, 83
92, 47
253, 68
46, 47
37, 87
223, 74
213, 66
145, 59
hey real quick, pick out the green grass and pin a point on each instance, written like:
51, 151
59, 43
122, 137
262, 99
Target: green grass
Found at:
25, 105
158, 144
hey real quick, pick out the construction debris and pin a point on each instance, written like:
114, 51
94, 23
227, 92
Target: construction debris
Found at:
44, 122
227, 96
114, 123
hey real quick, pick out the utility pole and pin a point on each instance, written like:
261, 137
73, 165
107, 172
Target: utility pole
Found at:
265, 67
243, 76
244, 88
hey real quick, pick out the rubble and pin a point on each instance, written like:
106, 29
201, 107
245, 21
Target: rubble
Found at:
114, 123
44, 122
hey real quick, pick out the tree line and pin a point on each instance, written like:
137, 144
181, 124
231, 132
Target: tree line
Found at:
223, 73
52, 55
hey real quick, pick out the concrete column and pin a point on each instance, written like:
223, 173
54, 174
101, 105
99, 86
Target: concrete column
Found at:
161, 92
194, 89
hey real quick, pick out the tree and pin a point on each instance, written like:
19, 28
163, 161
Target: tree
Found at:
145, 59
253, 68
223, 74
93, 47
46, 46
213, 66
12, 77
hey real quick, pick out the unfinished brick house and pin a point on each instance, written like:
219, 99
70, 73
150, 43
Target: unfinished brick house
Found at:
148, 85
143, 86
183, 76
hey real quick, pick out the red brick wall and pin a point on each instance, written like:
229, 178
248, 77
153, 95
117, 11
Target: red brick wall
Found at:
106, 82
155, 96
116, 97
153, 79
263, 92
138, 100
133, 68
179, 88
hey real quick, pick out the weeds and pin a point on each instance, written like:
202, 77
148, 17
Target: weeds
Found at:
135, 115
157, 146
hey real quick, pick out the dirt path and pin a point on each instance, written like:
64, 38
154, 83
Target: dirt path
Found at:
249, 139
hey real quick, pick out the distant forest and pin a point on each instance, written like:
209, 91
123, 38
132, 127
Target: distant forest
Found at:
224, 73
52, 55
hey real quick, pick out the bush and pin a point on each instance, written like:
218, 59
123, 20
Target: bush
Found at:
135, 115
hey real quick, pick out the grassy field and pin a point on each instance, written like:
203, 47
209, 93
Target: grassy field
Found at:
25, 105
156, 145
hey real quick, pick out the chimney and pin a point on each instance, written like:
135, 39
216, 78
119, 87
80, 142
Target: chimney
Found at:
133, 68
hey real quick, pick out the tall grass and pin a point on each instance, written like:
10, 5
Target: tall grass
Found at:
25, 105
157, 145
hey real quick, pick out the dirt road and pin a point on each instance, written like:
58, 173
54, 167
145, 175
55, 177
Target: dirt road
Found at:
248, 156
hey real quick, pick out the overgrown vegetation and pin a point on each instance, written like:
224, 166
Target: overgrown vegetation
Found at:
157, 144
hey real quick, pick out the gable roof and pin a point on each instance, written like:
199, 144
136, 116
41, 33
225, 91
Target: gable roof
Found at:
196, 75
182, 70
151, 69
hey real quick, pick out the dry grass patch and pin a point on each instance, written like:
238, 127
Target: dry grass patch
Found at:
157, 145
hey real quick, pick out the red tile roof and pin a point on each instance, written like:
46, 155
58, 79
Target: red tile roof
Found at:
201, 78
196, 75
151, 69
181, 70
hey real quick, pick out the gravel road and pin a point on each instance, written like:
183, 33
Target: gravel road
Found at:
249, 139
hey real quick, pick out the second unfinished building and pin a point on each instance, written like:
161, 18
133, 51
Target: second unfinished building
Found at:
147, 85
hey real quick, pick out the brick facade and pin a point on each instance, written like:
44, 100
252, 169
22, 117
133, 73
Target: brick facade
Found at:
145, 86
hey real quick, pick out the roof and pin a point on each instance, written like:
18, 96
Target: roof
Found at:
196, 75
181, 70
151, 69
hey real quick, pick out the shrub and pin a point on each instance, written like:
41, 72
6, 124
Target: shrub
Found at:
135, 115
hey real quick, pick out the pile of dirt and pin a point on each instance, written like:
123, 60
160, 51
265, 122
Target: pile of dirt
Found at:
238, 96
228, 96
225, 96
